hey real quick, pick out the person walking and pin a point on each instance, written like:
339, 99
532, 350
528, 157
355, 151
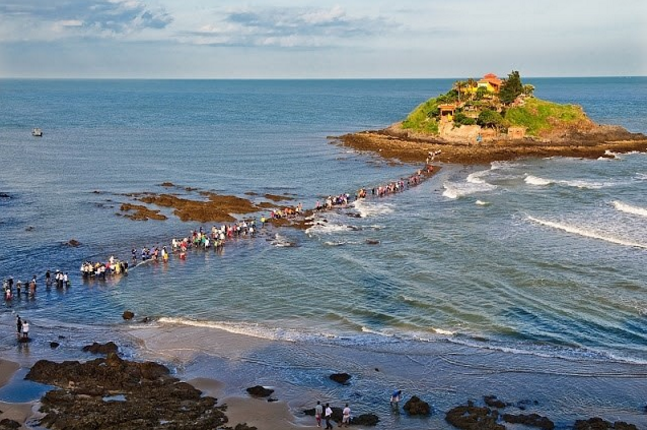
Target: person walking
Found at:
345, 416
328, 416
318, 413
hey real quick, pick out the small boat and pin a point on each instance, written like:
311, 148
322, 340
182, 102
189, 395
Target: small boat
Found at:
37, 132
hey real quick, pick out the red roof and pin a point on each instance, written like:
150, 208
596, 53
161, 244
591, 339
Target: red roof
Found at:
492, 79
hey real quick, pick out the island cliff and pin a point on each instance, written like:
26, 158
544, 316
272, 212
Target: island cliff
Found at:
491, 120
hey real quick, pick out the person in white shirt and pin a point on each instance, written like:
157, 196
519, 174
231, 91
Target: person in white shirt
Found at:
346, 416
328, 416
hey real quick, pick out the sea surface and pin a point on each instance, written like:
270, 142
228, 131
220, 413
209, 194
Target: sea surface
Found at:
524, 279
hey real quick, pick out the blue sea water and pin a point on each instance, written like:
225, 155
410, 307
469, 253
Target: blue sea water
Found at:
482, 270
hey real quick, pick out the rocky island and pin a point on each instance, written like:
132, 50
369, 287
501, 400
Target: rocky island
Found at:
492, 119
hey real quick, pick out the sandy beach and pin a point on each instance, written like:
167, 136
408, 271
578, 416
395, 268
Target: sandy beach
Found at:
18, 412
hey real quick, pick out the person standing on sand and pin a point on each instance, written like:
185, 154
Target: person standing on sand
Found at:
328, 416
318, 413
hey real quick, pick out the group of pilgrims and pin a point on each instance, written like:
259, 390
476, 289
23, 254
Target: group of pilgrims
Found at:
60, 279
201, 239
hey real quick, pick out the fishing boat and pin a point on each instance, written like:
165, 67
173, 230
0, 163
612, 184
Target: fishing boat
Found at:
37, 132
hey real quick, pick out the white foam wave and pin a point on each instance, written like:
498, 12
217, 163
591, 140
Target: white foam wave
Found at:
635, 210
281, 241
592, 234
476, 177
454, 190
482, 203
536, 180
369, 209
246, 329
328, 228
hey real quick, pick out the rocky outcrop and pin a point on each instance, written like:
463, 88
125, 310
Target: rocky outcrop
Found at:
472, 417
600, 424
416, 406
7, 424
531, 420
112, 393
341, 378
97, 348
259, 391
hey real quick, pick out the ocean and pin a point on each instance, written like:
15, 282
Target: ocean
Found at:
523, 279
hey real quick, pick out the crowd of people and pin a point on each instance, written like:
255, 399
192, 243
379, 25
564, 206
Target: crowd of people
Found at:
97, 269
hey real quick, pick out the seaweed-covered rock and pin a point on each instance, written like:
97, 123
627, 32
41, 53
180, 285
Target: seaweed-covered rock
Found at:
260, 391
493, 402
128, 315
470, 417
7, 424
97, 348
416, 406
531, 420
341, 378
148, 397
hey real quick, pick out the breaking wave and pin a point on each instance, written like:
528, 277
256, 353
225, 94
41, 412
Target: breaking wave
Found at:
635, 210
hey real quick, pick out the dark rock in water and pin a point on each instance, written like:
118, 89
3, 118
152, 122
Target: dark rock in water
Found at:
472, 417
145, 320
416, 406
309, 412
341, 378
532, 420
377, 370
600, 424
244, 426
54, 345
270, 400
365, 420
73, 243
151, 397
372, 242
97, 348
128, 315
7, 424
30, 228
60, 336
493, 402
4, 196
259, 391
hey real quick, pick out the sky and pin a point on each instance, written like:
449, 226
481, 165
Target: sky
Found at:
321, 39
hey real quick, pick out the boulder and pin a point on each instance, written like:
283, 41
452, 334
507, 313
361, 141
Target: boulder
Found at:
73, 243
416, 406
260, 391
531, 420
341, 378
7, 424
54, 345
128, 315
97, 348
472, 417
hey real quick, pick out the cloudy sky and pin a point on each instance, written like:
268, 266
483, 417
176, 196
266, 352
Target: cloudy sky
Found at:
322, 39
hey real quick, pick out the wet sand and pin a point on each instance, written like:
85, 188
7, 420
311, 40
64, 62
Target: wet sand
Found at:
18, 412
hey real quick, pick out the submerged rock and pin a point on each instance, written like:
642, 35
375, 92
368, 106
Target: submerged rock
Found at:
493, 402
54, 345
341, 378
73, 243
600, 424
531, 420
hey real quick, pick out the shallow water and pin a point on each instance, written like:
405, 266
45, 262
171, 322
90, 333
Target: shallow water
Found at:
536, 264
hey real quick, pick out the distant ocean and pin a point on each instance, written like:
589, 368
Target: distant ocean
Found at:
523, 279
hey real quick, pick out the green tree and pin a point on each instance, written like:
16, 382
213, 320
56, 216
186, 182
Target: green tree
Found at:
490, 119
528, 89
511, 88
